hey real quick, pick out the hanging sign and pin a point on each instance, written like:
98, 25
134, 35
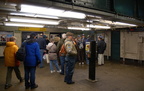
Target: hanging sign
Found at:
31, 29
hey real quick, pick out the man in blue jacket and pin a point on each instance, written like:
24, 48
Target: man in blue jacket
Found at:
32, 59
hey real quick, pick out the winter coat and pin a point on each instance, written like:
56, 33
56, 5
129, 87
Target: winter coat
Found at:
9, 54
32, 53
42, 43
101, 46
70, 48
60, 43
51, 47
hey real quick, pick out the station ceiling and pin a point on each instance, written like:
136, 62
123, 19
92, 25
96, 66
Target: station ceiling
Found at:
59, 15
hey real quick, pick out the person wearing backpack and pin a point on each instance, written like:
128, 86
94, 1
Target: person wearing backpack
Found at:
62, 53
32, 59
10, 61
70, 58
101, 46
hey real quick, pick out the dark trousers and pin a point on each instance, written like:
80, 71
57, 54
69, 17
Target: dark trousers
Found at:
29, 76
9, 74
69, 68
81, 55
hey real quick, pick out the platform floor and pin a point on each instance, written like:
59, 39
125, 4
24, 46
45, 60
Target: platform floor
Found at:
111, 77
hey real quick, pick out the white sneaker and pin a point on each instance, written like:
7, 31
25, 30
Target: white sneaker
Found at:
52, 71
59, 71
82, 62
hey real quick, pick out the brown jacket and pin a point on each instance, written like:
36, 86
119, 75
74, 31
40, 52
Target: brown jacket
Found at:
51, 47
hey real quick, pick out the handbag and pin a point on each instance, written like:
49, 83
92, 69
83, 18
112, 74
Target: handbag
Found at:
45, 57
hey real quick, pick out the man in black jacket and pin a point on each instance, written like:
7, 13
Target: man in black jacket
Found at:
101, 46
42, 44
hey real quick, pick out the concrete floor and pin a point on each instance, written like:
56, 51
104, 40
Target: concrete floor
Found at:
111, 77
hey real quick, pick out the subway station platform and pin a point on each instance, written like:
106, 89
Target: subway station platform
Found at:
111, 77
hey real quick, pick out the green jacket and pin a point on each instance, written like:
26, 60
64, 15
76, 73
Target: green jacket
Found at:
60, 43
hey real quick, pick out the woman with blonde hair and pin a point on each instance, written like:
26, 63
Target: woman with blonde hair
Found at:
10, 61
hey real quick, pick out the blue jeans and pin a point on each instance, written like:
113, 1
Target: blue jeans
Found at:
41, 53
62, 60
69, 68
30, 75
55, 62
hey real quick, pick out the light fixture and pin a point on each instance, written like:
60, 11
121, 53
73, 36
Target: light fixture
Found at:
22, 24
23, 14
124, 24
46, 16
98, 26
33, 20
71, 14
51, 11
35, 15
78, 28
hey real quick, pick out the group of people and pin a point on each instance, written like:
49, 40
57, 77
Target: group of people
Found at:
69, 50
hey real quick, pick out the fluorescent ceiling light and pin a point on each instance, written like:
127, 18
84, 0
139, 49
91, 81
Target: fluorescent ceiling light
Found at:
71, 14
93, 16
22, 24
46, 16
124, 24
23, 14
40, 10
78, 28
33, 20
106, 21
34, 15
98, 26
51, 11
117, 23
89, 21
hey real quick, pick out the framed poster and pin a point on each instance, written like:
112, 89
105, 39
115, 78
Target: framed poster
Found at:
4, 37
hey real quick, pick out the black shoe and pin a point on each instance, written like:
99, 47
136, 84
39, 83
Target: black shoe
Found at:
27, 87
62, 73
21, 80
35, 86
7, 86
70, 82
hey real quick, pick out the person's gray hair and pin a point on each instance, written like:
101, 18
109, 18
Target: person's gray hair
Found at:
63, 35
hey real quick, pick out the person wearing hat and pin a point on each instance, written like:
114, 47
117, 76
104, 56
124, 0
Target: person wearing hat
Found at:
32, 59
81, 49
101, 46
70, 58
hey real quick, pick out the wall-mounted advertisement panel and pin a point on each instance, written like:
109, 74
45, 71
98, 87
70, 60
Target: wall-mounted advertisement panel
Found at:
4, 37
